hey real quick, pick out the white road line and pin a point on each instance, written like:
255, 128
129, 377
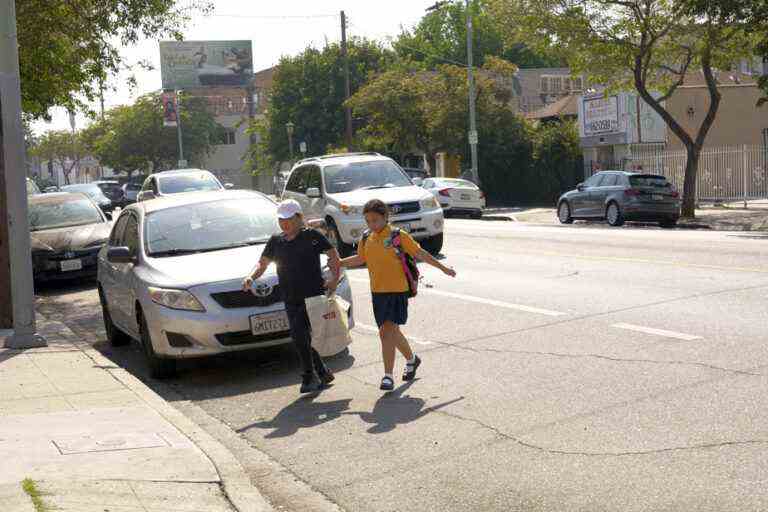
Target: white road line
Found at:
481, 300
658, 332
373, 329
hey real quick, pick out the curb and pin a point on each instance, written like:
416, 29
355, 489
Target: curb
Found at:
234, 481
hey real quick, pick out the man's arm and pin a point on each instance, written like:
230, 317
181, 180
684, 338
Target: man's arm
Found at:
256, 273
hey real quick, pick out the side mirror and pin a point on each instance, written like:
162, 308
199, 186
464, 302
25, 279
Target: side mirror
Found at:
580, 187
109, 216
314, 193
418, 182
229, 186
120, 255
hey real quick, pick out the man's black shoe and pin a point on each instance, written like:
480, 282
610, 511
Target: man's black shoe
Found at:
327, 377
310, 384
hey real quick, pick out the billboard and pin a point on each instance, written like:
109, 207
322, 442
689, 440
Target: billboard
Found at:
601, 115
622, 118
192, 64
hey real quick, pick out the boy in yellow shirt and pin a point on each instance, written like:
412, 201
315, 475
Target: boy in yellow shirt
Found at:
389, 286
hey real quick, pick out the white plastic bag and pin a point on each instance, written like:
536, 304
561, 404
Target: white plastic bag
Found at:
329, 319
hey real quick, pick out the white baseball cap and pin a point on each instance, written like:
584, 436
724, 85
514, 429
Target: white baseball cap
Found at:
288, 209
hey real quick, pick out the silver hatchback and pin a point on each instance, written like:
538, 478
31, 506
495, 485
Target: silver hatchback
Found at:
171, 277
617, 197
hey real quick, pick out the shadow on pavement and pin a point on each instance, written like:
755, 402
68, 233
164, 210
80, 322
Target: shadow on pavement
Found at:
304, 412
394, 409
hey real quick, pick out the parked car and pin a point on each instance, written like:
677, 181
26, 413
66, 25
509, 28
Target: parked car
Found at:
457, 196
336, 187
618, 196
95, 193
66, 232
171, 277
179, 181
32, 187
416, 174
113, 190
131, 191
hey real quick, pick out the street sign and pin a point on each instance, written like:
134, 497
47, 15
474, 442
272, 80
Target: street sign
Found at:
473, 137
303, 147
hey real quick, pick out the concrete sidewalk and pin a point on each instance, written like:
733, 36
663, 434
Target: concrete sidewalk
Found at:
86, 436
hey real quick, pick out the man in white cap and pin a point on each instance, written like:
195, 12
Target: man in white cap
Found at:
296, 251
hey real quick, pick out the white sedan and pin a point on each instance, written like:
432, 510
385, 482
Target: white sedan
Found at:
457, 196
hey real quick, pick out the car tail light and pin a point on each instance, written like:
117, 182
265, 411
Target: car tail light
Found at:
446, 192
632, 192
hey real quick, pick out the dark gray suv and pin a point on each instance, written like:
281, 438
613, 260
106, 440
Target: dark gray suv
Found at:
618, 196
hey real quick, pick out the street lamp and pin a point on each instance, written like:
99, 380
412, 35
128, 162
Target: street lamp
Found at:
289, 126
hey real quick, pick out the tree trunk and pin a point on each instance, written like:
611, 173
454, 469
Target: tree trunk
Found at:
689, 186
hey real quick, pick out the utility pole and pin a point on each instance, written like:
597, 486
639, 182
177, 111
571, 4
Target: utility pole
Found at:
347, 89
16, 267
182, 163
472, 116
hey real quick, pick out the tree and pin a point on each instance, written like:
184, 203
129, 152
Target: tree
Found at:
752, 14
308, 91
67, 49
649, 45
132, 138
441, 37
62, 148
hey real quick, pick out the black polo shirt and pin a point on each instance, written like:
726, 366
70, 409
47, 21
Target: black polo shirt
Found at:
298, 264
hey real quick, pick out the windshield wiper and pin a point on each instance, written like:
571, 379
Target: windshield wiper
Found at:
173, 252
236, 245
374, 187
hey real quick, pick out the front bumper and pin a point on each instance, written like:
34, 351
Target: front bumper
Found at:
422, 224
47, 266
218, 330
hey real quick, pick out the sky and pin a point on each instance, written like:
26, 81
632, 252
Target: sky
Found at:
276, 28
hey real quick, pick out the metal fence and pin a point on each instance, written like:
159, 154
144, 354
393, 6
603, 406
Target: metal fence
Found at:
726, 174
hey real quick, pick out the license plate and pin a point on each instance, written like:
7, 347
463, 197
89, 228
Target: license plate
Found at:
466, 197
269, 323
657, 197
70, 265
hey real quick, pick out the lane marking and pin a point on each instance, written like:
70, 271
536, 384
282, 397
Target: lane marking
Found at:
657, 332
480, 300
372, 329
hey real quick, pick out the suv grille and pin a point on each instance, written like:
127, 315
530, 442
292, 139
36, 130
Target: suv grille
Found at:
403, 208
243, 299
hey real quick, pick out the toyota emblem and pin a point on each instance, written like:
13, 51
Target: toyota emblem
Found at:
262, 290
395, 208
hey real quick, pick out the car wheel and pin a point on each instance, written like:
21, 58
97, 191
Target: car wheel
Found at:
613, 215
334, 237
159, 368
115, 336
433, 244
564, 213
668, 223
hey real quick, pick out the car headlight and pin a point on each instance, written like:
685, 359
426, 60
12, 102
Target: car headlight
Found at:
429, 203
351, 210
175, 299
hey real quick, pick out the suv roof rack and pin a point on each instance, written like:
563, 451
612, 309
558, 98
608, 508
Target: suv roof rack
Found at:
336, 155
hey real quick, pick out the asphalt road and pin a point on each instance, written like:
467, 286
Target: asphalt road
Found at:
565, 368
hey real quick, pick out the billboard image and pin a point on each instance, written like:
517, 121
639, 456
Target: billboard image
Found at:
601, 115
192, 64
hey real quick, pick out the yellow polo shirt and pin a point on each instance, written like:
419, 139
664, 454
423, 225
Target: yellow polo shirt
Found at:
384, 267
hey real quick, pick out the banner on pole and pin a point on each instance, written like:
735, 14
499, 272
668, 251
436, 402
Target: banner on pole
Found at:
170, 110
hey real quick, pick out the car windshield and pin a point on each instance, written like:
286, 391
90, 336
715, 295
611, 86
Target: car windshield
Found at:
62, 214
210, 226
93, 191
192, 182
364, 175
456, 184
649, 181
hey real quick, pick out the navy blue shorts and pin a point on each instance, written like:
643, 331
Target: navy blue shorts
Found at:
392, 307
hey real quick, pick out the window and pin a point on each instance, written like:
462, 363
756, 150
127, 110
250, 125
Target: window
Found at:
298, 180
225, 137
314, 180
131, 235
577, 84
544, 84
611, 180
556, 84
116, 237
594, 181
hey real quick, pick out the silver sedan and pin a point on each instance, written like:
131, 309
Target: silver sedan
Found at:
172, 273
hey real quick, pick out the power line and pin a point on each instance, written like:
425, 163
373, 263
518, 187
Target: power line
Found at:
277, 17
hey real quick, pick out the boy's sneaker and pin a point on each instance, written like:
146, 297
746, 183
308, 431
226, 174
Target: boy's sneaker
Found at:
310, 384
387, 384
410, 369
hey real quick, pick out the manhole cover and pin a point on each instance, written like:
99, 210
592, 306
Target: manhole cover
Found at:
108, 443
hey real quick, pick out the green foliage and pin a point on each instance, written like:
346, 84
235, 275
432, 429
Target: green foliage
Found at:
441, 37
68, 48
64, 149
133, 137
308, 90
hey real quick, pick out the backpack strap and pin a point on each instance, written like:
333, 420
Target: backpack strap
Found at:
394, 237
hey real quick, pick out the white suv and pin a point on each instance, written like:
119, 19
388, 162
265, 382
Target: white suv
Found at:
335, 188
